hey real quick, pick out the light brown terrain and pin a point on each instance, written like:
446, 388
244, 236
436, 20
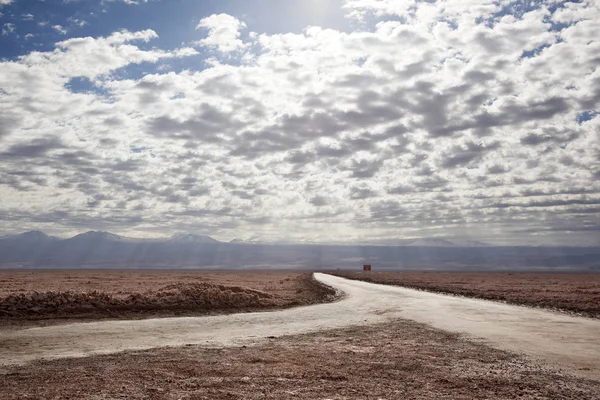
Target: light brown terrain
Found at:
399, 360
51, 295
393, 360
577, 293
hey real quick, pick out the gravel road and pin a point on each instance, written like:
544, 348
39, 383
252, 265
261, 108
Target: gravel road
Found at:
569, 342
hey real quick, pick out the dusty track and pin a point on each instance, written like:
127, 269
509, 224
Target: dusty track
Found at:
567, 341
577, 293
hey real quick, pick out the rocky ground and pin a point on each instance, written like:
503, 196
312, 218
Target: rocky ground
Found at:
54, 295
399, 360
574, 293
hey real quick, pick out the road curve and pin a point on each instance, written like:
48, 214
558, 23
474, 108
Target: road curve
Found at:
572, 343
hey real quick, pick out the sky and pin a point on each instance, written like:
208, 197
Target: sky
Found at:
319, 121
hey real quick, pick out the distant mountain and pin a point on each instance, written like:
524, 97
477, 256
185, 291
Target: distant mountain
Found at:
97, 249
471, 243
92, 236
191, 238
31, 237
245, 241
430, 242
101, 236
436, 242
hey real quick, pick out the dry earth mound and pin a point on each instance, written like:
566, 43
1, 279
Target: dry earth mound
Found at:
194, 296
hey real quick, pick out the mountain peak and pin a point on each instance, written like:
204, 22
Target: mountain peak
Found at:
97, 235
474, 243
247, 240
192, 238
30, 236
34, 234
431, 242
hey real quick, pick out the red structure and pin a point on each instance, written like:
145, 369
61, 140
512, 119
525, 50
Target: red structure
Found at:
366, 267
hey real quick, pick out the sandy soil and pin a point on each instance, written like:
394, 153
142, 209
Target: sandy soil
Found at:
398, 360
122, 283
50, 296
570, 342
577, 293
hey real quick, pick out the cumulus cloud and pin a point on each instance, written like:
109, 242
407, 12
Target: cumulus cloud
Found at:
224, 33
453, 117
90, 57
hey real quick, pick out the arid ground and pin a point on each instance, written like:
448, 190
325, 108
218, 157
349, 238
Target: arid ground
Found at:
577, 293
50, 296
400, 360
393, 360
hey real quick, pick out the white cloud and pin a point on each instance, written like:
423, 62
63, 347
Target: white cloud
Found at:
457, 119
90, 57
8, 28
224, 33
132, 2
60, 29
77, 22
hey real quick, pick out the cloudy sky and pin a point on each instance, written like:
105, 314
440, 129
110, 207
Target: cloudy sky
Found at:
302, 120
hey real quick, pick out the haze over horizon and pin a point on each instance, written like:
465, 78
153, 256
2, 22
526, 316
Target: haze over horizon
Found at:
304, 121
37, 235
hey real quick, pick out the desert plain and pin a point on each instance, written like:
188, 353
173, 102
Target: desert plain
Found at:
375, 360
577, 293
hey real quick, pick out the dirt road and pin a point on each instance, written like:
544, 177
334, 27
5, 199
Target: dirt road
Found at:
572, 343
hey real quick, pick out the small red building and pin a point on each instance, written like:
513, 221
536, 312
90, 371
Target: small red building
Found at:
366, 267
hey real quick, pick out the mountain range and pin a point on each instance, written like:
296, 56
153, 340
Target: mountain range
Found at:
96, 249
97, 236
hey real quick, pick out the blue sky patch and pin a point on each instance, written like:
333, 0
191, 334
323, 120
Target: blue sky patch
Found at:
534, 52
84, 85
38, 25
585, 116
